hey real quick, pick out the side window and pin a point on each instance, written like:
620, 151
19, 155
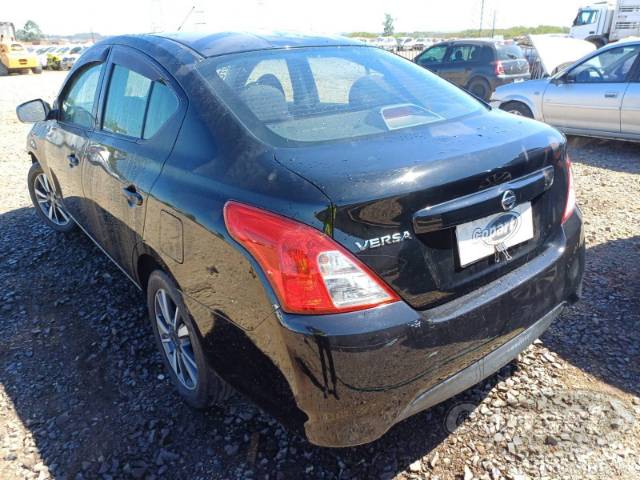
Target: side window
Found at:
433, 55
136, 106
126, 102
610, 66
76, 104
162, 105
273, 73
585, 17
461, 53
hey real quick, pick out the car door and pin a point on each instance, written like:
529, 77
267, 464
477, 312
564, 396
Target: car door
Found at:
630, 113
141, 110
433, 58
67, 134
457, 64
589, 96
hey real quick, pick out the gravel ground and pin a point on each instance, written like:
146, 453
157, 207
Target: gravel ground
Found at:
83, 393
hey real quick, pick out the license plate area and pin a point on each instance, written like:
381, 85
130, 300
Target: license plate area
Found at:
485, 236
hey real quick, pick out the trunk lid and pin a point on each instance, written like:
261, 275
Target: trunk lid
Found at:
398, 197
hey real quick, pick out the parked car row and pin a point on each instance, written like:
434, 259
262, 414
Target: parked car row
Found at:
395, 44
58, 57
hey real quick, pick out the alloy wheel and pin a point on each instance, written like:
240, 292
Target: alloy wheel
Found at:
48, 201
176, 342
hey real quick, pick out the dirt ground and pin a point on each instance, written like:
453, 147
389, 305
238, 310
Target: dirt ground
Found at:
83, 393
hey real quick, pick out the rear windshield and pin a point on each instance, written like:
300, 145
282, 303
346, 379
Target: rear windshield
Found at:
331, 93
509, 52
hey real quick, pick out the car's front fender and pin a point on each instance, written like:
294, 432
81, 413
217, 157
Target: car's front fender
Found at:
529, 93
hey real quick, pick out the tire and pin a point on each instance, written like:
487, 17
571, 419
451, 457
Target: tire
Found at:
517, 108
43, 193
202, 388
480, 88
4, 71
37, 70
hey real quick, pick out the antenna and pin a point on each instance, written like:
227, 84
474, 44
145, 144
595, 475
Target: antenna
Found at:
493, 28
186, 18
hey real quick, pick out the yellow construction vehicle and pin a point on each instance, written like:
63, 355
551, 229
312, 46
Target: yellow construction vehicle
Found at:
14, 57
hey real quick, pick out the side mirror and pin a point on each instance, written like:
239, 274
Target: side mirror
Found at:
33, 111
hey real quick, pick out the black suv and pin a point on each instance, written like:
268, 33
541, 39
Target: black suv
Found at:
325, 226
479, 66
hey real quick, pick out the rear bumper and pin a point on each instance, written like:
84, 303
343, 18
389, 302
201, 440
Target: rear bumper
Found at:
15, 63
499, 80
483, 368
355, 375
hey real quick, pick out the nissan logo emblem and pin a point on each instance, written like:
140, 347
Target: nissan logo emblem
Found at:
508, 200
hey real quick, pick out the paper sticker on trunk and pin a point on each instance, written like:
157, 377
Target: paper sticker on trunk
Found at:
494, 234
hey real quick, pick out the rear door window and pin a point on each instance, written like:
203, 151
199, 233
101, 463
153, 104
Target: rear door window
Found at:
459, 53
126, 102
136, 106
163, 103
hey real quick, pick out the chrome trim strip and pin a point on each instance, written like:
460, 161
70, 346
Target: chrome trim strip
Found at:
105, 252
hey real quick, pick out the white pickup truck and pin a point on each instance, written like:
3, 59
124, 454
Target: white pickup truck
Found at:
604, 22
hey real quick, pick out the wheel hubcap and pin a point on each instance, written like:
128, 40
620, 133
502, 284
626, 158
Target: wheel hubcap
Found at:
176, 342
48, 200
515, 112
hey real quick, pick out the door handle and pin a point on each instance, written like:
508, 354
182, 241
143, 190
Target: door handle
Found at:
611, 95
73, 160
134, 199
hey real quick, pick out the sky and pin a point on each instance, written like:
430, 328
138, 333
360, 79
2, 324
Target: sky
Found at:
111, 17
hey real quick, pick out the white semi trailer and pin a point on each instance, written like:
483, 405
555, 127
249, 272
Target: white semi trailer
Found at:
604, 22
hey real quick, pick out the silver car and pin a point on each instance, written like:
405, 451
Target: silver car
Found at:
598, 96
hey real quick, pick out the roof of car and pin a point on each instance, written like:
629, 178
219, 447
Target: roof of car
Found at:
221, 43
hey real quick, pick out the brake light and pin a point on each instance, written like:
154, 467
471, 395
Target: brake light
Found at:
571, 194
309, 271
499, 68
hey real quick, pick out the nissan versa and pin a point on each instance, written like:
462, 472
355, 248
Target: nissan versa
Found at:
324, 226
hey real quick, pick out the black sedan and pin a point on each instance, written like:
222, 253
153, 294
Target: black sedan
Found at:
324, 226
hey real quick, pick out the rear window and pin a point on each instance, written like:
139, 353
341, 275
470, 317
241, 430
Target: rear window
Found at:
331, 93
509, 52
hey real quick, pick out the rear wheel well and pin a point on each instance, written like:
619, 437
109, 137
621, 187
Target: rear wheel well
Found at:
484, 82
145, 266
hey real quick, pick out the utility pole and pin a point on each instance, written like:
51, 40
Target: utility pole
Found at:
481, 18
493, 28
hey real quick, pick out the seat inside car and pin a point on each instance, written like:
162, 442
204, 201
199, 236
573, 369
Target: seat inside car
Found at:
370, 91
270, 80
265, 101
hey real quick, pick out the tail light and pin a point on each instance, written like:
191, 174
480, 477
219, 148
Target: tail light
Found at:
309, 272
571, 194
499, 68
